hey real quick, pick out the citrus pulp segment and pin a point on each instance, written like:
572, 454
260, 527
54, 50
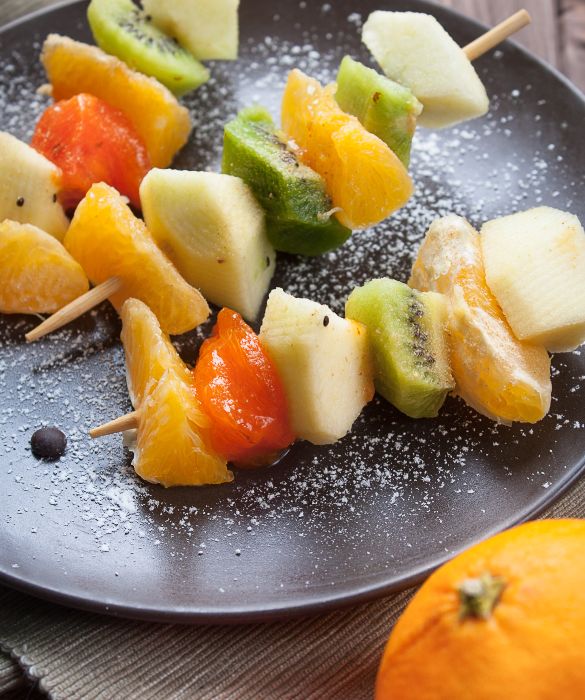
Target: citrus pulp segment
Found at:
364, 178
500, 376
73, 67
38, 275
109, 241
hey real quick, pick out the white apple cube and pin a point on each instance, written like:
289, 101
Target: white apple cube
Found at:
324, 363
535, 266
212, 228
413, 49
29, 185
206, 28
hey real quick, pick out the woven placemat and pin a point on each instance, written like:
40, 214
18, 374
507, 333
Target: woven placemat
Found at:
71, 654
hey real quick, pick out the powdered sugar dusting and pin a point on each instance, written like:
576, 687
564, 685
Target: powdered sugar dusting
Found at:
395, 494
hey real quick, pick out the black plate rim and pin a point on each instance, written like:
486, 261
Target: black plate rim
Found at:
319, 604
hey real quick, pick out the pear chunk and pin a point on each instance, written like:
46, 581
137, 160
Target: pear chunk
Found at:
212, 229
206, 28
535, 267
413, 49
324, 363
29, 185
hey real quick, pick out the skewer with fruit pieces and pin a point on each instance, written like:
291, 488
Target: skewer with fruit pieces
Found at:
413, 49
351, 217
118, 254
257, 393
418, 346
227, 256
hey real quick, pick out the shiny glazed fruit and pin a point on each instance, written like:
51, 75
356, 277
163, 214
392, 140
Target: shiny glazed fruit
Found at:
172, 445
364, 178
241, 392
73, 67
91, 142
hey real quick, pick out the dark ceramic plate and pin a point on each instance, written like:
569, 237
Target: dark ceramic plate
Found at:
326, 526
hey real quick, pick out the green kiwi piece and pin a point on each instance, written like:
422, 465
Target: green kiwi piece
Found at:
385, 108
298, 210
406, 330
122, 29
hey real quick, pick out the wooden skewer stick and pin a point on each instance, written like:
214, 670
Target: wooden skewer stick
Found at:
76, 308
497, 34
118, 425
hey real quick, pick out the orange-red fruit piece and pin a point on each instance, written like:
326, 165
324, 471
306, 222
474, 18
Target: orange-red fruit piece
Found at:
74, 67
91, 142
37, 274
240, 390
364, 178
109, 241
502, 621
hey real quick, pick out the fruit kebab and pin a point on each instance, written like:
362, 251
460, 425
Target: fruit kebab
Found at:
118, 254
413, 49
259, 393
320, 360
209, 225
500, 376
231, 407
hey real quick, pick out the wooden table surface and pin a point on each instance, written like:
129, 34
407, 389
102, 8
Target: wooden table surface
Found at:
557, 32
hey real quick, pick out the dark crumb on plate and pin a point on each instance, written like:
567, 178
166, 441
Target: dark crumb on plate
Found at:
48, 443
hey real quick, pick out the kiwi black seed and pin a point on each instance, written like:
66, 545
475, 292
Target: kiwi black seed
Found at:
407, 332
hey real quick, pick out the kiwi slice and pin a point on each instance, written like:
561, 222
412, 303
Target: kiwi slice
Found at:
406, 330
298, 210
122, 29
385, 108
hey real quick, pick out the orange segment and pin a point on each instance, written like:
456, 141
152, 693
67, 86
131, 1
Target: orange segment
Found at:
73, 67
38, 275
108, 240
170, 447
497, 374
172, 441
149, 351
364, 178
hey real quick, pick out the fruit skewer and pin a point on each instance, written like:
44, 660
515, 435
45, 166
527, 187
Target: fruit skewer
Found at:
414, 50
121, 259
103, 291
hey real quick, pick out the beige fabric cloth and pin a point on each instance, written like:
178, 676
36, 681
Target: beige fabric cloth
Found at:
79, 655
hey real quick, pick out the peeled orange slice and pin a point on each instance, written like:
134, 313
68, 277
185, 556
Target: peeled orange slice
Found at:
173, 438
109, 241
149, 351
170, 448
364, 178
497, 374
73, 67
37, 274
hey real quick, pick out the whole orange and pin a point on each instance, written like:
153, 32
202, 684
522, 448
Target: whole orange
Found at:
505, 620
